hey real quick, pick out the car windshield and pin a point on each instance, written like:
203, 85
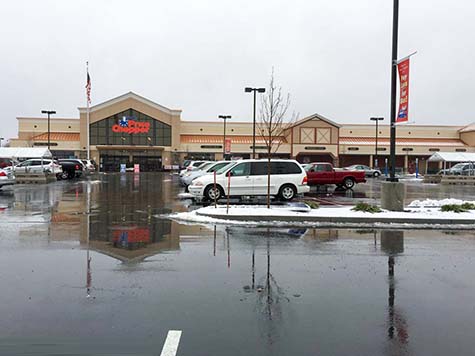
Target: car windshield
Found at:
218, 166
225, 168
204, 167
459, 166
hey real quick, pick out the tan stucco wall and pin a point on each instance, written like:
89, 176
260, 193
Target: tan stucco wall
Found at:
407, 131
468, 138
32, 126
216, 128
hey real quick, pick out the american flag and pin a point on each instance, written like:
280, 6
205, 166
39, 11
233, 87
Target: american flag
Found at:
88, 88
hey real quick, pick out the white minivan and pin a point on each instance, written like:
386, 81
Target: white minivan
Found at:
249, 178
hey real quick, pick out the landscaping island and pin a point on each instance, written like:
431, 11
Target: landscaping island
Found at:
429, 214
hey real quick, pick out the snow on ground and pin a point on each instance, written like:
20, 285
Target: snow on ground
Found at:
286, 215
436, 203
340, 211
184, 196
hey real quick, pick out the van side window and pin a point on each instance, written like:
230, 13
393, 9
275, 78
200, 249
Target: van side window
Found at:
242, 169
259, 168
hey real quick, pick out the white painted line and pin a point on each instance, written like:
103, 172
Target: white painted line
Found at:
171, 343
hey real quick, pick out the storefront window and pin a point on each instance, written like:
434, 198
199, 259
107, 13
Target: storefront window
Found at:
130, 128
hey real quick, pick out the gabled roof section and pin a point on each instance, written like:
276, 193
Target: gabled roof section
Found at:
315, 116
130, 95
468, 128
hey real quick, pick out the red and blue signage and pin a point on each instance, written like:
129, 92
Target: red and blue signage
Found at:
128, 124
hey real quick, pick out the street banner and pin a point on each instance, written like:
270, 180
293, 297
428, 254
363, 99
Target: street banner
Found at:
122, 168
227, 146
403, 68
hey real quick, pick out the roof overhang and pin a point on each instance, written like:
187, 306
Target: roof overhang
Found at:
130, 95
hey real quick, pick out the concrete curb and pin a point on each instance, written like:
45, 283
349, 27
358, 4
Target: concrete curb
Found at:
352, 221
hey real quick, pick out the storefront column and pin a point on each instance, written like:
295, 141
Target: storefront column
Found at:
406, 164
370, 161
166, 158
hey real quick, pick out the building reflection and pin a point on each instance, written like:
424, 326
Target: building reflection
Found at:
115, 218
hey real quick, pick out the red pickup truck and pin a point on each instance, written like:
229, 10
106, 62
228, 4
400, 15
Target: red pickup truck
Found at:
320, 173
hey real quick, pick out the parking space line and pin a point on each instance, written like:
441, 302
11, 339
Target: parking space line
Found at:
171, 343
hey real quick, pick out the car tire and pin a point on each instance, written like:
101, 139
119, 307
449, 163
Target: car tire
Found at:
348, 183
71, 175
211, 194
63, 175
287, 192
376, 174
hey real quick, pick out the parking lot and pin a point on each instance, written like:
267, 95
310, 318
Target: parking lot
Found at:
94, 266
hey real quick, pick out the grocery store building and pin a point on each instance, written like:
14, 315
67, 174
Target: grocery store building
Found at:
132, 129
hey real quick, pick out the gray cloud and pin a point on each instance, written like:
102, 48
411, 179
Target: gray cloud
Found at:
332, 56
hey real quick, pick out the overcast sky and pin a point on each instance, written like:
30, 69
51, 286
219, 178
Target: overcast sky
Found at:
332, 56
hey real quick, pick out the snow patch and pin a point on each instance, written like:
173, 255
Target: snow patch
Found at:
185, 196
436, 203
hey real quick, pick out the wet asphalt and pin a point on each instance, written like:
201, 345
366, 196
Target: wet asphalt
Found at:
94, 267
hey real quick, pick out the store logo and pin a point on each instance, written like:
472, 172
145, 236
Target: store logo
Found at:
128, 125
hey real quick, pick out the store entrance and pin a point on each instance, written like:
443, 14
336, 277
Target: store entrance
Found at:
148, 163
149, 160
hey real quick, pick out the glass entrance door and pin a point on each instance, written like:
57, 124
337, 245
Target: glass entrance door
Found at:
148, 163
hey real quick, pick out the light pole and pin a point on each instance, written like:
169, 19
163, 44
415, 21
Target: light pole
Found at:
254, 90
392, 153
49, 112
224, 117
377, 119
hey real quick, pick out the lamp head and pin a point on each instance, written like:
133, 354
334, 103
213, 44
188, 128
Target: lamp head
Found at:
247, 90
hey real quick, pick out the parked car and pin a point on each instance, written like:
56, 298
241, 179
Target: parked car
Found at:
210, 167
6, 178
185, 164
459, 169
38, 165
71, 169
249, 178
78, 161
321, 173
90, 164
369, 172
192, 166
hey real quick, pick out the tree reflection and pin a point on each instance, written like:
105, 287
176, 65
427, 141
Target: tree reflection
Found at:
269, 298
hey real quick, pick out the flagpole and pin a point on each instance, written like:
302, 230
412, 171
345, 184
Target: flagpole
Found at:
87, 118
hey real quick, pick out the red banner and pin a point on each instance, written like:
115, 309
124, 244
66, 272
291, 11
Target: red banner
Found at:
227, 146
403, 68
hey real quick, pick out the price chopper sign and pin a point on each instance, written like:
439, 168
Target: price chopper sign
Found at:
128, 125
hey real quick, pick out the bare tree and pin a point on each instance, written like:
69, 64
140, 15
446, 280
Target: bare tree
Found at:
272, 125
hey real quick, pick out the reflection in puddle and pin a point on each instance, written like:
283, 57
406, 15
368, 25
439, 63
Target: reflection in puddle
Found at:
275, 287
